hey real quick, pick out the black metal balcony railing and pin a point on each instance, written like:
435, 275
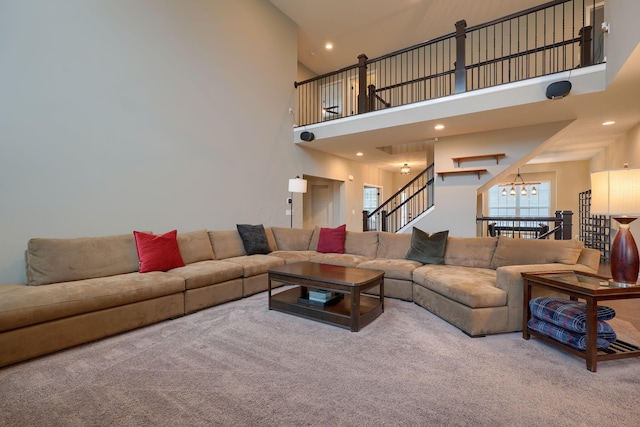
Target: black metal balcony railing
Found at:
559, 227
550, 38
404, 206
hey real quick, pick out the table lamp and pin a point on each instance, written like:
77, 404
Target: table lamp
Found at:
617, 193
296, 185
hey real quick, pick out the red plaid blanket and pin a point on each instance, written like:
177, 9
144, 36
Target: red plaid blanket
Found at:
570, 315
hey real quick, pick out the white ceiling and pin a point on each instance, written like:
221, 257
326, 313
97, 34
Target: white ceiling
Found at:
379, 27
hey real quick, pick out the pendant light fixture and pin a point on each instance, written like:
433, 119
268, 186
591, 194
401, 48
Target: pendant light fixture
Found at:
515, 183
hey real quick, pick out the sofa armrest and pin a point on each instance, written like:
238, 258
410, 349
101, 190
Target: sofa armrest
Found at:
509, 279
590, 258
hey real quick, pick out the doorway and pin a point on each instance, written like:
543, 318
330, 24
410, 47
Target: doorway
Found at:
322, 203
371, 199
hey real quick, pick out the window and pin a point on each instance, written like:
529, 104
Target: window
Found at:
519, 205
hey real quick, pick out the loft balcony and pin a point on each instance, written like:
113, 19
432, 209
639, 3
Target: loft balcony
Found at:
552, 38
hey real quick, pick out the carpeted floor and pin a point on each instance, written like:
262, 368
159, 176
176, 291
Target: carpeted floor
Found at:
240, 364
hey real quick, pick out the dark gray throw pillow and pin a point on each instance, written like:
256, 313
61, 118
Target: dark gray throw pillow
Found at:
254, 239
427, 249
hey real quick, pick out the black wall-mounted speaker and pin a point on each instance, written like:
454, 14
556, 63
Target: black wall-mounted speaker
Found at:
559, 90
307, 136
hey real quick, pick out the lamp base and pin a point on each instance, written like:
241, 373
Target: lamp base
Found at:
625, 263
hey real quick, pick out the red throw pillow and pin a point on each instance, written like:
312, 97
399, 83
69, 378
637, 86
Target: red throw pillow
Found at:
331, 240
158, 253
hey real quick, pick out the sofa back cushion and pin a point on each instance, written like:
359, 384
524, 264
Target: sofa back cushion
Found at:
393, 245
292, 239
271, 240
363, 243
195, 246
470, 251
226, 244
530, 251
64, 260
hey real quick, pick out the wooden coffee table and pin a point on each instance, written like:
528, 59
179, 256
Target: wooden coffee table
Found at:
350, 309
592, 288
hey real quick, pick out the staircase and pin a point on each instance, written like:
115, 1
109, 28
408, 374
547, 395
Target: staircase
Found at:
399, 210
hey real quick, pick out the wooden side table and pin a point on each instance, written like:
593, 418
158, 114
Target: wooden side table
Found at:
592, 288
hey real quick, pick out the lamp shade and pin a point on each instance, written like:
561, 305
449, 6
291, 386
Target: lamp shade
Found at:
616, 192
297, 185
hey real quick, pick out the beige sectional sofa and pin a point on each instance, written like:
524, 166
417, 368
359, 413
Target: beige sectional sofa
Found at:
83, 289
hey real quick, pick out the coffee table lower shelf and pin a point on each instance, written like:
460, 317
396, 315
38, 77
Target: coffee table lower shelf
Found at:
338, 314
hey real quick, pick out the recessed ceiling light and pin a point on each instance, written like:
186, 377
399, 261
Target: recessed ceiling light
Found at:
328, 46
610, 122
438, 127
359, 153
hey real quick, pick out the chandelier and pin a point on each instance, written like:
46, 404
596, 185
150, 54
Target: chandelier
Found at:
405, 170
515, 183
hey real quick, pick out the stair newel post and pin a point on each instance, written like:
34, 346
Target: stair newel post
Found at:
567, 225
362, 83
460, 66
384, 221
585, 46
372, 98
365, 221
558, 233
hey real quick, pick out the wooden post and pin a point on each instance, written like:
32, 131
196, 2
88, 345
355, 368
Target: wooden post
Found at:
365, 221
567, 225
460, 71
372, 98
558, 233
362, 83
384, 226
586, 41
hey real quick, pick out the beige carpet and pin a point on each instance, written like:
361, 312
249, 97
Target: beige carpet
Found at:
241, 365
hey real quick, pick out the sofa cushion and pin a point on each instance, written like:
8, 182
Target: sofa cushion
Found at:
226, 244
401, 269
195, 246
270, 239
361, 243
206, 273
393, 245
158, 252
290, 257
470, 251
292, 239
253, 238
427, 249
473, 287
346, 260
529, 251
64, 260
331, 240
29, 305
254, 265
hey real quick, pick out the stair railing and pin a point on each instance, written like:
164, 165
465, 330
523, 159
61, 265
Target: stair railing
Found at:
545, 39
404, 206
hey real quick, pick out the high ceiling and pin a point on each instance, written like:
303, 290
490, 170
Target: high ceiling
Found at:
378, 27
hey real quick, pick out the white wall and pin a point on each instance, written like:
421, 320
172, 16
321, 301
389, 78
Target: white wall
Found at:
624, 36
625, 150
568, 180
144, 114
455, 197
